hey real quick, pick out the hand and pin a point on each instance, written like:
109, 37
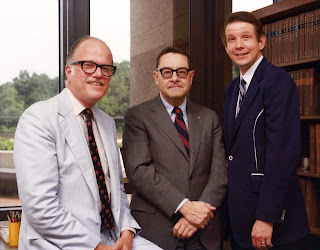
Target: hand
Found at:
262, 232
124, 242
183, 229
198, 213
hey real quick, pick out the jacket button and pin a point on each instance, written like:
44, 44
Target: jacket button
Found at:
230, 157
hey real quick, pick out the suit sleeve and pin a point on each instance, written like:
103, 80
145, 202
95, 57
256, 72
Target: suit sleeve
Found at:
140, 169
35, 159
126, 219
216, 188
283, 141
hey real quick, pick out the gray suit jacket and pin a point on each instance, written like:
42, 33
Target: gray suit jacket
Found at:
162, 174
56, 180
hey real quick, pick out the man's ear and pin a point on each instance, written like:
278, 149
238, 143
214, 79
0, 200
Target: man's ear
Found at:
191, 75
156, 77
262, 42
68, 71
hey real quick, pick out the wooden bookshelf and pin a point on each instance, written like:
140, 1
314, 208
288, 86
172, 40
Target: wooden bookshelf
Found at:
314, 117
285, 8
305, 62
308, 174
315, 231
280, 20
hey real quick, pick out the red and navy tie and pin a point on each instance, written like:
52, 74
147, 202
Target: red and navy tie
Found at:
182, 129
106, 213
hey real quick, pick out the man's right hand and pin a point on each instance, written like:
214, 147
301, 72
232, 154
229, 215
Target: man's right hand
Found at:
198, 213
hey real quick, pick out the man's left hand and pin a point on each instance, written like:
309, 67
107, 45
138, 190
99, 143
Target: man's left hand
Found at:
124, 242
183, 229
261, 234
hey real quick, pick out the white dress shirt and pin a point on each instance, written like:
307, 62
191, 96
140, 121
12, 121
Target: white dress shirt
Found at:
183, 108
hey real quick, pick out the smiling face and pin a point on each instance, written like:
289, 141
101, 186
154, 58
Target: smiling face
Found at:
89, 88
174, 89
242, 44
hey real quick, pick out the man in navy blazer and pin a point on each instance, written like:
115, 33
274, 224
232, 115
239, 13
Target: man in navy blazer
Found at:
261, 126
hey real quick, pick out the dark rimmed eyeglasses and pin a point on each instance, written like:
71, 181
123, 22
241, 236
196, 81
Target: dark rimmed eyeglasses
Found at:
167, 72
91, 67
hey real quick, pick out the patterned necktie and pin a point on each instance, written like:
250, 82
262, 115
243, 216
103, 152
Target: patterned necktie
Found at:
182, 129
106, 213
242, 93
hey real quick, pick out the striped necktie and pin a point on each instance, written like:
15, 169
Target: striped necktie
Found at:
242, 88
182, 129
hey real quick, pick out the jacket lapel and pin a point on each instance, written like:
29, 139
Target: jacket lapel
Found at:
195, 124
233, 104
71, 131
246, 102
162, 119
250, 95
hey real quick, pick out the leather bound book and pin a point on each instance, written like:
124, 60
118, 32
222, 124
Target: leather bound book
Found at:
296, 37
301, 36
286, 40
309, 91
317, 32
312, 141
318, 148
291, 40
303, 187
311, 32
312, 204
269, 42
299, 83
306, 36
280, 42
276, 42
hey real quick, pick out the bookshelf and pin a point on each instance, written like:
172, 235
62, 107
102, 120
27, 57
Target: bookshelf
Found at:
292, 28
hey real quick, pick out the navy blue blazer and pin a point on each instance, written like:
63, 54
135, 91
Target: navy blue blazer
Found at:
265, 138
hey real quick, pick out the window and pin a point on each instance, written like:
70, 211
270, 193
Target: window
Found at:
114, 29
29, 73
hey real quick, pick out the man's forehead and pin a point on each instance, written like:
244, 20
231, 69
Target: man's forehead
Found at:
173, 59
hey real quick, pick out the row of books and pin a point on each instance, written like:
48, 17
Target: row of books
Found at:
310, 190
293, 38
307, 82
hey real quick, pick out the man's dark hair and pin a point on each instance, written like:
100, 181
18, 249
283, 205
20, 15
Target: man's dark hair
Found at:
173, 49
243, 16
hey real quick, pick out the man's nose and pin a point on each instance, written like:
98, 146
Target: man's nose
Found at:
175, 76
239, 43
98, 72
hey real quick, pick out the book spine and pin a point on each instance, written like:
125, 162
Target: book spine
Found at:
312, 141
318, 148
312, 204
296, 38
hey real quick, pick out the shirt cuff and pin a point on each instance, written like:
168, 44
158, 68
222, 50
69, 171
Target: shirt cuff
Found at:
181, 204
133, 231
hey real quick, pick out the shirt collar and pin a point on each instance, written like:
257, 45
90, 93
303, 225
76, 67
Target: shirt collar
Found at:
170, 108
249, 74
78, 107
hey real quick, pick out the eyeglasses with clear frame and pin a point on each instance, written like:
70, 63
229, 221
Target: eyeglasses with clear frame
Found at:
91, 67
167, 72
